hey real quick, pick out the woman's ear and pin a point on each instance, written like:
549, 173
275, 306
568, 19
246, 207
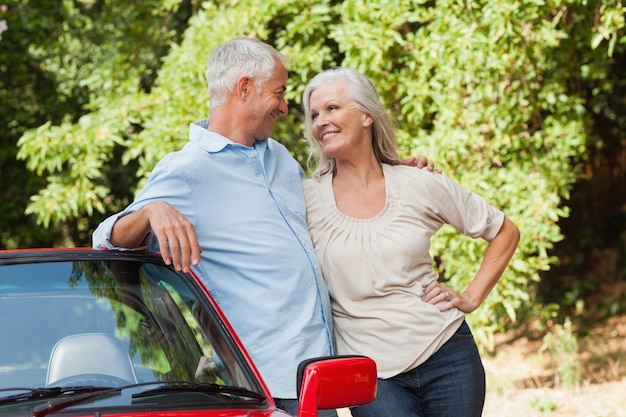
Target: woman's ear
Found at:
367, 120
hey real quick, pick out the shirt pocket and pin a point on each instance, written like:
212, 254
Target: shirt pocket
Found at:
289, 196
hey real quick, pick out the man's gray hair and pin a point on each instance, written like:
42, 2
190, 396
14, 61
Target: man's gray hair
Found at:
239, 58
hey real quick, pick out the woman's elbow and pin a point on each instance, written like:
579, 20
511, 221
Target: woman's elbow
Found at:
510, 232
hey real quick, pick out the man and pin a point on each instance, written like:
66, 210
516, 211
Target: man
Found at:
230, 205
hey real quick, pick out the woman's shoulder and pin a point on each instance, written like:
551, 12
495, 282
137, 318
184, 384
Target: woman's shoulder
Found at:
318, 195
409, 181
313, 183
410, 173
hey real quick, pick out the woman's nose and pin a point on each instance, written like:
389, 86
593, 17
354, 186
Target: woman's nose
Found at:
321, 120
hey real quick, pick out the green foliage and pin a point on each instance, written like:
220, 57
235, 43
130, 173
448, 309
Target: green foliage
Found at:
99, 58
501, 95
28, 99
562, 343
542, 403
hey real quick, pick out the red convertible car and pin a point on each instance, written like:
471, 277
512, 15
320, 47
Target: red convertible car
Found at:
92, 333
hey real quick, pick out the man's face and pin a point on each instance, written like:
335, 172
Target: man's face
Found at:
268, 103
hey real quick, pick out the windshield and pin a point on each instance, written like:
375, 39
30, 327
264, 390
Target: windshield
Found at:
110, 323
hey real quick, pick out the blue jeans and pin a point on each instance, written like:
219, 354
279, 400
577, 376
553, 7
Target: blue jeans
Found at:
451, 383
291, 406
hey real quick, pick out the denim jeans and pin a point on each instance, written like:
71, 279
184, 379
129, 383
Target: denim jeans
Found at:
451, 383
291, 406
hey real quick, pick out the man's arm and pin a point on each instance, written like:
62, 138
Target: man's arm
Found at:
130, 230
175, 234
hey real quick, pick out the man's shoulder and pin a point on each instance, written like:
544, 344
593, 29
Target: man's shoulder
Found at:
276, 146
283, 158
187, 151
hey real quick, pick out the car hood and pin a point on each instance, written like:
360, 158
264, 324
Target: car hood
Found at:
197, 413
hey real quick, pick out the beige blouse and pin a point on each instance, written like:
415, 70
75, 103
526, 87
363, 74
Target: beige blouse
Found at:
376, 268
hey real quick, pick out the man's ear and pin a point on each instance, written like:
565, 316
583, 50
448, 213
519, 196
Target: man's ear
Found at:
243, 87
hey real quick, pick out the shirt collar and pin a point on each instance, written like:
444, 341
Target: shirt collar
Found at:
213, 142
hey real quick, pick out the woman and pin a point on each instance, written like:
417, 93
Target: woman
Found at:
371, 220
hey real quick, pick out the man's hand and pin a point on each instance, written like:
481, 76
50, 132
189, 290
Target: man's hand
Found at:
420, 162
175, 232
176, 235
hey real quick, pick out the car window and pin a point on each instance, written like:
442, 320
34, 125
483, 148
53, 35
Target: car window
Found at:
97, 322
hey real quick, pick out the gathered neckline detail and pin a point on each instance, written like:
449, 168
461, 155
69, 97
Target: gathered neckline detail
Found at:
329, 195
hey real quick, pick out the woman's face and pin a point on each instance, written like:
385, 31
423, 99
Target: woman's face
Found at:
337, 125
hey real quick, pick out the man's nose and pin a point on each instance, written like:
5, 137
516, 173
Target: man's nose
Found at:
283, 109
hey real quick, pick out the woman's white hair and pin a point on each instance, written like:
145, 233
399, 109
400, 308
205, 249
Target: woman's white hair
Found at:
239, 58
363, 95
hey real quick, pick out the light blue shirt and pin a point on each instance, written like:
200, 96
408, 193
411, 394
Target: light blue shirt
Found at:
258, 260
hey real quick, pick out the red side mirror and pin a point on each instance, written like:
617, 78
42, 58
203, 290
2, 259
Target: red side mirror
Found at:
335, 382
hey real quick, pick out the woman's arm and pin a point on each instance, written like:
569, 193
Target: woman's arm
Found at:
497, 257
